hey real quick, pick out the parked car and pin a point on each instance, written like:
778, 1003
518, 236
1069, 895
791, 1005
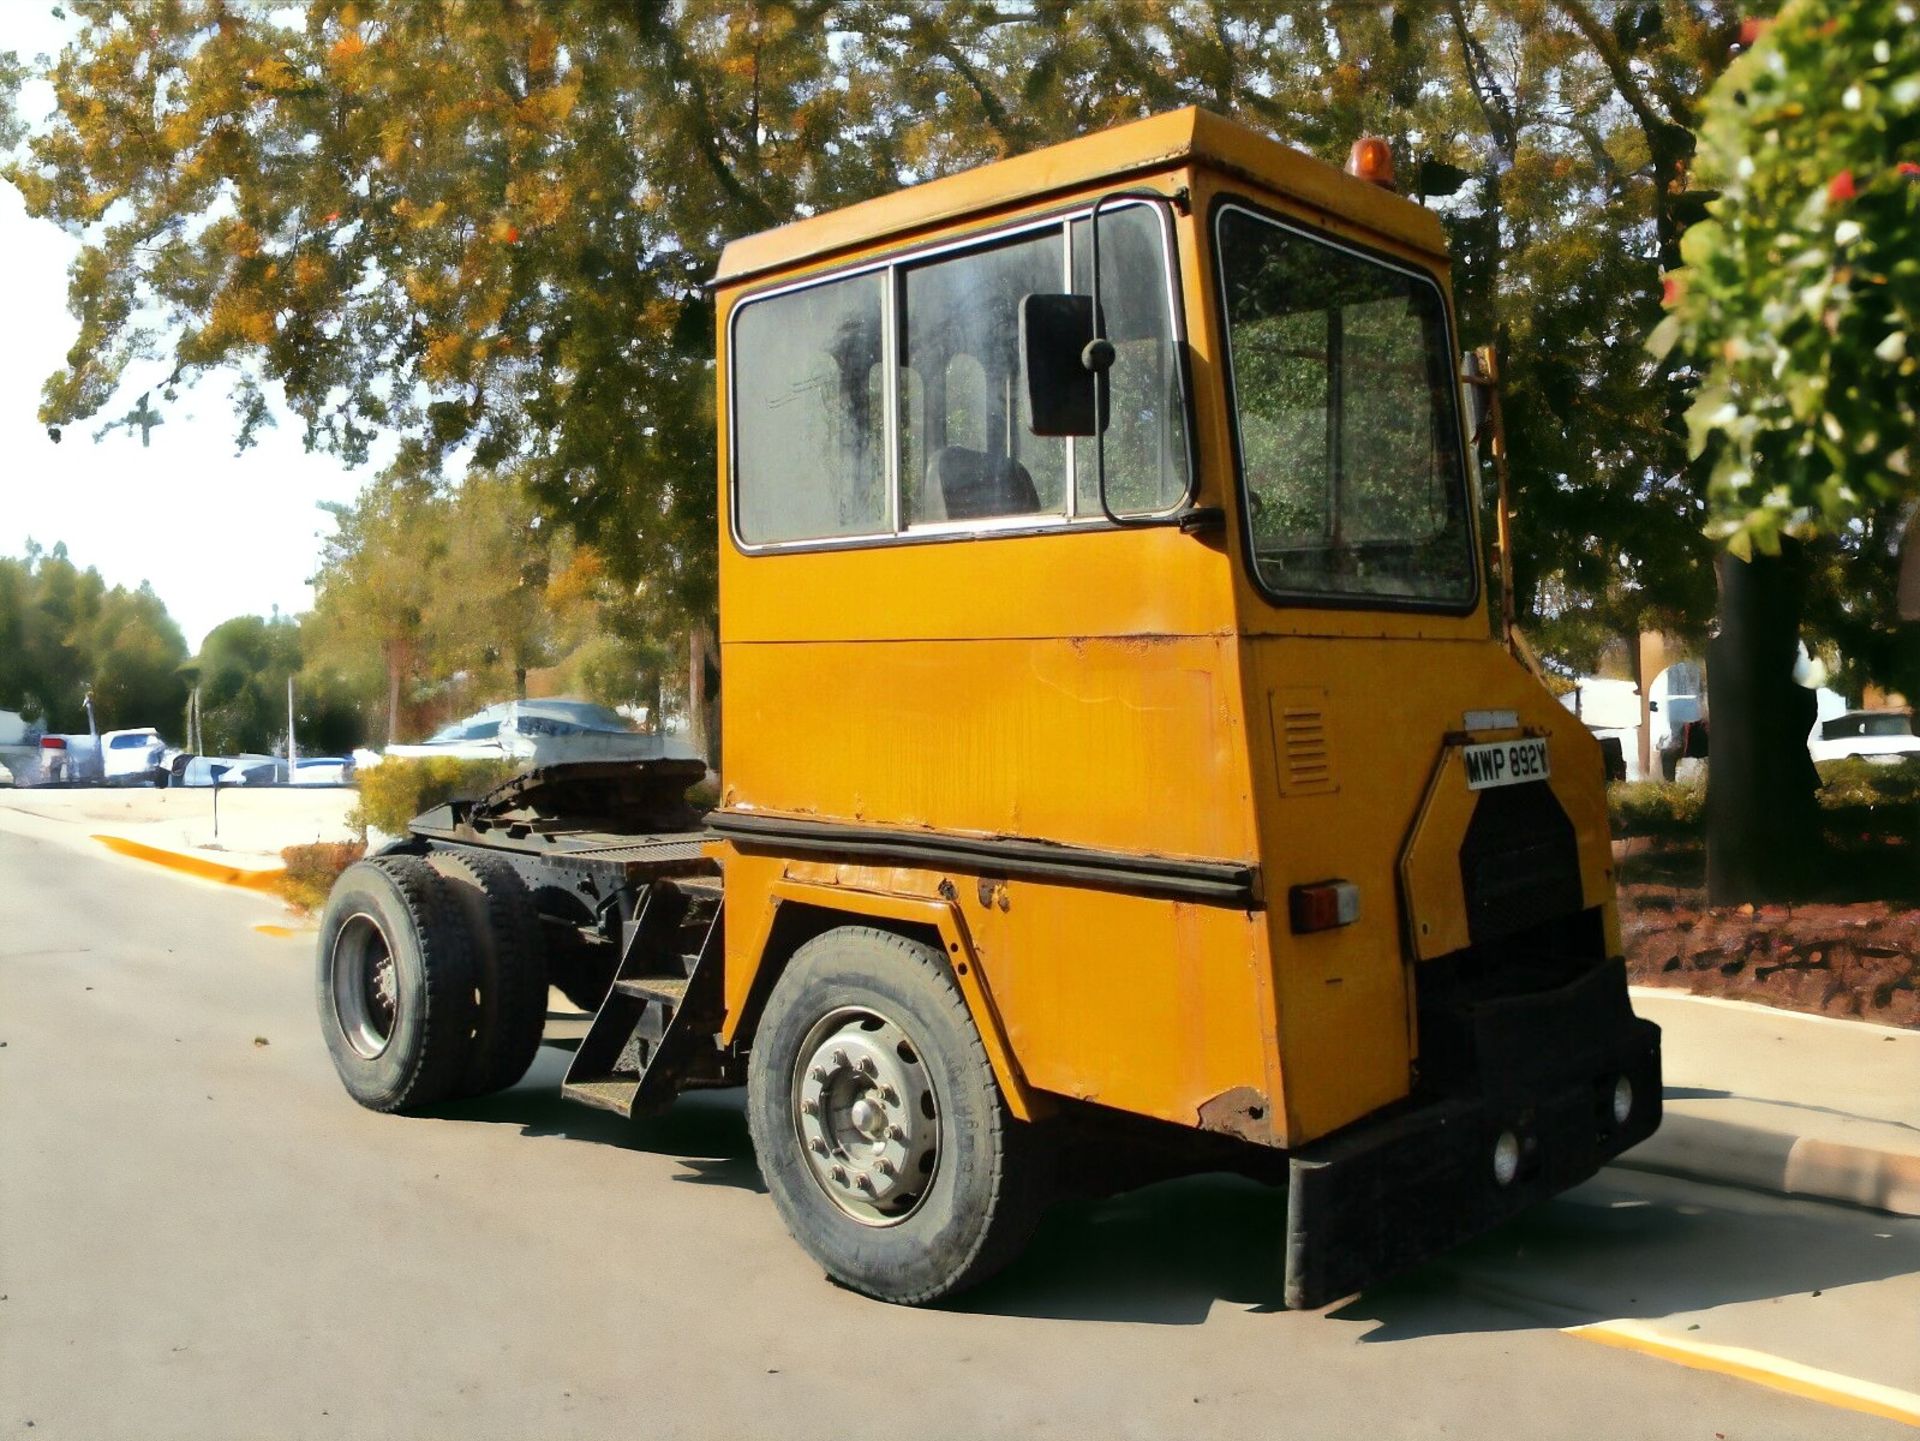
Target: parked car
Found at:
1876, 735
133, 757
323, 771
540, 732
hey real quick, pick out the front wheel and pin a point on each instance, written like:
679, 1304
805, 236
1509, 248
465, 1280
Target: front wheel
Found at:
879, 1127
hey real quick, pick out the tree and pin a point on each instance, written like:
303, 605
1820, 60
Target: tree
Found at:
372, 592
64, 633
486, 228
1797, 312
243, 667
137, 650
487, 611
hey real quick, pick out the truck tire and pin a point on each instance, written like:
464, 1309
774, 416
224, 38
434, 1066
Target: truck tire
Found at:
510, 974
395, 984
878, 1124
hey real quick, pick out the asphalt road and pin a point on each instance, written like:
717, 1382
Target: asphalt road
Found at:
200, 1235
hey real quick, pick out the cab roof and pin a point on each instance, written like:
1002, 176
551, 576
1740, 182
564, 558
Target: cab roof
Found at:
1163, 142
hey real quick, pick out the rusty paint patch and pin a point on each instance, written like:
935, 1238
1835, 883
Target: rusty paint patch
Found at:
1240, 1112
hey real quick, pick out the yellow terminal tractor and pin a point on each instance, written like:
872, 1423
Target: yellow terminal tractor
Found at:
1122, 776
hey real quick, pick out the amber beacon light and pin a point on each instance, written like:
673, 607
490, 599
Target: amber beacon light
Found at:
1371, 160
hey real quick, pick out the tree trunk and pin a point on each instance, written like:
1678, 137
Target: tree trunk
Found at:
393, 695
1763, 826
520, 681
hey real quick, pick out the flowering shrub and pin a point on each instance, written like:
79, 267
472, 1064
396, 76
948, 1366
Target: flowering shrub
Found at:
1799, 300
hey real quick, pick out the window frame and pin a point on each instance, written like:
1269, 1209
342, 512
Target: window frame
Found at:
894, 265
1469, 492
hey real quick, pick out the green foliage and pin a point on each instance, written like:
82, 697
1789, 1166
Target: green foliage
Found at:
485, 227
243, 666
395, 791
1849, 789
1655, 808
1859, 782
63, 631
422, 583
1799, 306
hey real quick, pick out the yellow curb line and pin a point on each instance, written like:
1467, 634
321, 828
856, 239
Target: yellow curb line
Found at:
206, 870
1811, 1382
267, 928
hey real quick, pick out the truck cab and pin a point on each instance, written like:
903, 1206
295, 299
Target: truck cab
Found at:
1119, 758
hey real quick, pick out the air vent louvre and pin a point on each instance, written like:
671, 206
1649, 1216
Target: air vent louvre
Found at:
1300, 741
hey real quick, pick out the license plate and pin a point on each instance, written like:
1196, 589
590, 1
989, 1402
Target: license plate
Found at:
1506, 763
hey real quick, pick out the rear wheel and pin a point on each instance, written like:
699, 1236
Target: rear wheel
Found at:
395, 984
879, 1127
510, 975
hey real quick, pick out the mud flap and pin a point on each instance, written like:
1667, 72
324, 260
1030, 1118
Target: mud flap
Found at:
1385, 1195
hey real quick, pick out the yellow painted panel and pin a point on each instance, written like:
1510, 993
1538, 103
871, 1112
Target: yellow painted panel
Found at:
1064, 582
1160, 1008
1092, 162
1132, 745
1343, 996
1154, 1007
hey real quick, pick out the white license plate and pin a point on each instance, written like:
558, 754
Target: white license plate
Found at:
1506, 763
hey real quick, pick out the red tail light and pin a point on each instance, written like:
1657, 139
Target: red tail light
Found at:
52, 743
1323, 905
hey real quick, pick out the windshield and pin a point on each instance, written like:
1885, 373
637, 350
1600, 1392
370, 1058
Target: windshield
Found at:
1345, 401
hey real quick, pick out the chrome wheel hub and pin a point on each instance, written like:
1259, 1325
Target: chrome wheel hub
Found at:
366, 987
866, 1116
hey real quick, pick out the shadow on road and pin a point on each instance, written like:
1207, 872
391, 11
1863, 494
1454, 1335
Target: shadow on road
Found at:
707, 1133
1163, 1254
1637, 1246
1625, 1245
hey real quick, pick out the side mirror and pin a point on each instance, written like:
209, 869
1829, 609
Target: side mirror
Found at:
1055, 333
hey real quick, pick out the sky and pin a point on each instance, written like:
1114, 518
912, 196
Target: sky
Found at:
216, 535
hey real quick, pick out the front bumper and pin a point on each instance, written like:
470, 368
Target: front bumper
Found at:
1385, 1195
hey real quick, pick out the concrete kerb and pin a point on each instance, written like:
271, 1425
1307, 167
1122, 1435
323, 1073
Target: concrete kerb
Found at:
206, 868
1810, 1106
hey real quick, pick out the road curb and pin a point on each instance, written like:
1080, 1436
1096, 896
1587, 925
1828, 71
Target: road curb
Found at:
262, 878
1785, 1164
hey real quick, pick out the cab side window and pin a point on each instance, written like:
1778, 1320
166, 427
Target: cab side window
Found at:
968, 451
818, 455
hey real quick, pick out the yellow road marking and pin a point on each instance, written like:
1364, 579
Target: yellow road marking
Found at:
1776, 1372
268, 928
257, 880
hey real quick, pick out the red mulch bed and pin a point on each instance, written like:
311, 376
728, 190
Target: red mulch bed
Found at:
1861, 960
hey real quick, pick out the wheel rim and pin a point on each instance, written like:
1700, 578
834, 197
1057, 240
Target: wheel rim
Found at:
366, 986
866, 1116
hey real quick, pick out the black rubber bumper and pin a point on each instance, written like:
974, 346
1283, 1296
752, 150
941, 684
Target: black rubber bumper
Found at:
1384, 1195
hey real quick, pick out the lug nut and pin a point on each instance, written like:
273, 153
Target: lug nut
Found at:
840, 1060
817, 1146
818, 1073
889, 1095
865, 1183
896, 1133
809, 1107
840, 1174
885, 1168
867, 1067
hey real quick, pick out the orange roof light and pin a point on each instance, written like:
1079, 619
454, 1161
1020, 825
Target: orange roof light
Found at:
1371, 160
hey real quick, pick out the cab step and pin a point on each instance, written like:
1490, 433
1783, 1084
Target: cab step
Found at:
655, 1034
